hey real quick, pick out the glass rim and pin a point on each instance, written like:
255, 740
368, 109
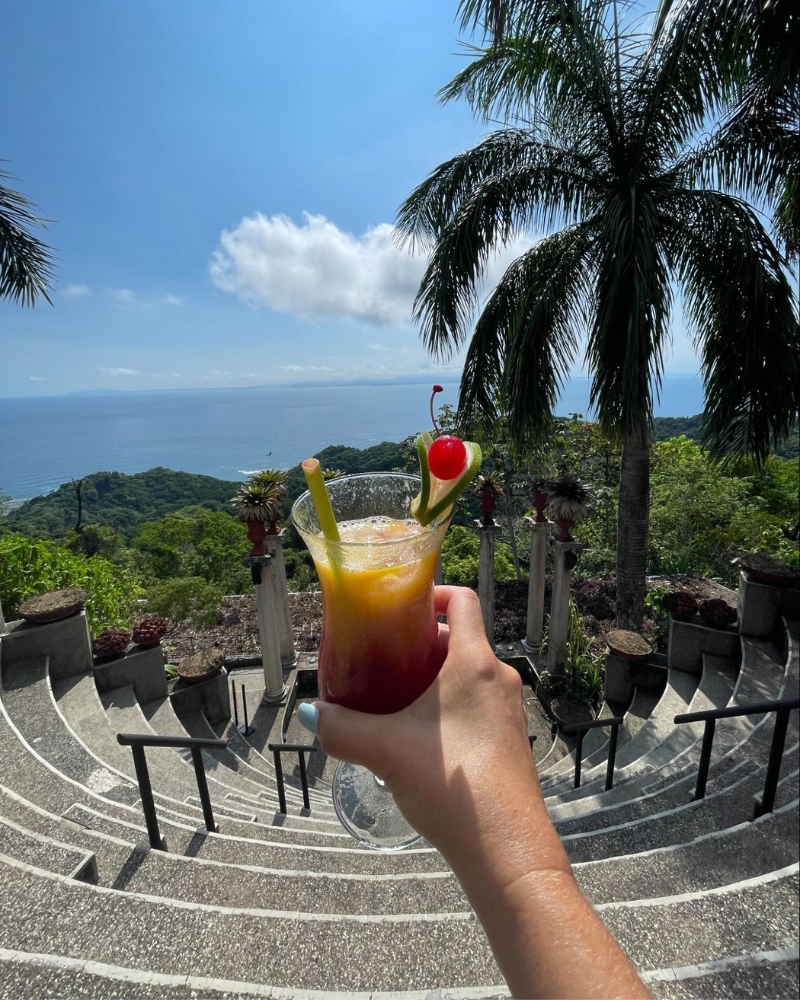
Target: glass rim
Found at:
443, 518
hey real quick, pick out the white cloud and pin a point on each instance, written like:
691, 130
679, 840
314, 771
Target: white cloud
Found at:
76, 291
127, 297
318, 270
307, 368
116, 372
35, 378
377, 347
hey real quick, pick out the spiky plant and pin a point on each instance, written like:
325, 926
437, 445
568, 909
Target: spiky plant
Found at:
255, 503
488, 482
328, 474
567, 497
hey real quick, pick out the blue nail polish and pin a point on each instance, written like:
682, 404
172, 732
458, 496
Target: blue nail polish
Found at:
308, 717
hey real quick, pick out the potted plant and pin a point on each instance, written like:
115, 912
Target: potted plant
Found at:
539, 498
488, 488
258, 504
717, 613
111, 642
201, 665
53, 605
567, 502
764, 568
680, 604
628, 645
149, 632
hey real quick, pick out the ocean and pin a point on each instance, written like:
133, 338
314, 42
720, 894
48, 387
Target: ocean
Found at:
46, 441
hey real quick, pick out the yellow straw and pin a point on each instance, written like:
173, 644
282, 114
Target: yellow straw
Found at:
321, 500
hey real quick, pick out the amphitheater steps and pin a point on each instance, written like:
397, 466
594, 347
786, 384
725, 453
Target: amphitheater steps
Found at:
564, 768
45, 852
768, 974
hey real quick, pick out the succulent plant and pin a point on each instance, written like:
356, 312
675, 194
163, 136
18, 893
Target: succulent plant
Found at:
260, 499
149, 631
488, 482
567, 497
328, 474
680, 604
717, 613
111, 641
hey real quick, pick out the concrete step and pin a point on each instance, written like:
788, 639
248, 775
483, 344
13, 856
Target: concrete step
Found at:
768, 974
53, 855
438, 951
697, 927
271, 847
710, 861
676, 825
29, 976
593, 741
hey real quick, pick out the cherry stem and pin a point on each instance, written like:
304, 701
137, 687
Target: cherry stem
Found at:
436, 388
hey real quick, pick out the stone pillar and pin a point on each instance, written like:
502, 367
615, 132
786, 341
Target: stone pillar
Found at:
486, 533
564, 561
274, 690
275, 571
536, 581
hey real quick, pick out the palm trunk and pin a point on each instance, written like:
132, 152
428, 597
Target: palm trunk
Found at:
632, 526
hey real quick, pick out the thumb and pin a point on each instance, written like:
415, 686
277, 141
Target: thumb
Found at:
357, 737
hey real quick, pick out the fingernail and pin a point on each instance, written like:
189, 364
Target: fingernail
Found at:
308, 717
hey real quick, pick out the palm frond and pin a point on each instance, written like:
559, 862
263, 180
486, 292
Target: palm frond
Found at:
524, 200
26, 262
526, 338
741, 307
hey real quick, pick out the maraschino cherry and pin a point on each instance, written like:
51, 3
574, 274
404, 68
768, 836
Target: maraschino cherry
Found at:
447, 456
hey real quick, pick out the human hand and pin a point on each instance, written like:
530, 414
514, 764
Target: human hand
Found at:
457, 760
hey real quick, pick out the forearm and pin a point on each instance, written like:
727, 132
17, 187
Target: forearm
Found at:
546, 938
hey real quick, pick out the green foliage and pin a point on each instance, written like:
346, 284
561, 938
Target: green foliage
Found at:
195, 542
580, 663
31, 566
460, 553
119, 501
190, 600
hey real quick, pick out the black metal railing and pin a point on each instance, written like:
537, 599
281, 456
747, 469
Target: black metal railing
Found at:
580, 729
781, 708
137, 743
298, 748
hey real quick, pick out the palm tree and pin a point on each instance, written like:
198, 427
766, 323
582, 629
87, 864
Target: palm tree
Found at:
747, 52
26, 263
602, 158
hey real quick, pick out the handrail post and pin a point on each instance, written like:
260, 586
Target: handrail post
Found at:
202, 788
705, 758
612, 756
578, 755
146, 795
767, 803
279, 780
304, 779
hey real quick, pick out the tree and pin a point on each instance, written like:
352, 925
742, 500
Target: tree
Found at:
26, 263
603, 158
748, 51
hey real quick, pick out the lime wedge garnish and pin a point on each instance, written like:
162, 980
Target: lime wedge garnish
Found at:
437, 495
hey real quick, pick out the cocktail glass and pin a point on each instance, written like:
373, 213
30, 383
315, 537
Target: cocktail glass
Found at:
380, 647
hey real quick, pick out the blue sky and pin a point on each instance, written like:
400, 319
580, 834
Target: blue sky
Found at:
222, 176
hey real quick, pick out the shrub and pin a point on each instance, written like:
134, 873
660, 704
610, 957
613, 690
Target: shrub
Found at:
31, 566
460, 558
190, 600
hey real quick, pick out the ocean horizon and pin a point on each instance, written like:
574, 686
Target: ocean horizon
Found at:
227, 433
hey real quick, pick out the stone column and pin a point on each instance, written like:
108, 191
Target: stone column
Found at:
274, 691
486, 533
536, 581
564, 560
275, 571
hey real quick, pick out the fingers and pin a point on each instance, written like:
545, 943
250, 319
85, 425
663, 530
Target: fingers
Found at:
357, 737
464, 617
444, 637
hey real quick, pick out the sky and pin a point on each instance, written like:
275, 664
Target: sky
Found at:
221, 179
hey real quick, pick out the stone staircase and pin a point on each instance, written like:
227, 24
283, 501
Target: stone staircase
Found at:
702, 898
